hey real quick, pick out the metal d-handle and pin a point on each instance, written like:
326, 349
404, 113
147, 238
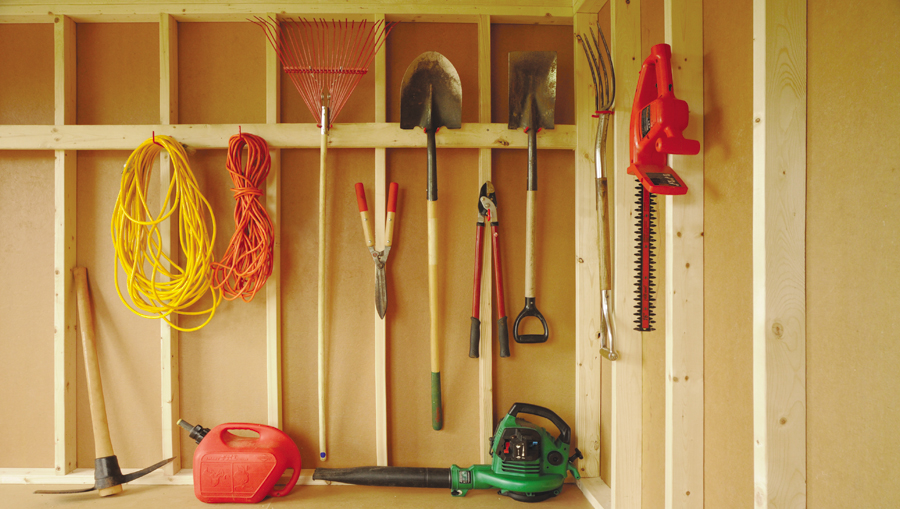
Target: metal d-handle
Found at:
530, 310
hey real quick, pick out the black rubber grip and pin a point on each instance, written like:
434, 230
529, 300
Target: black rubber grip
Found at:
530, 309
402, 477
474, 338
503, 336
565, 433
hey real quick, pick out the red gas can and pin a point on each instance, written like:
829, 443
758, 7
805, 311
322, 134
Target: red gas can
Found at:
232, 468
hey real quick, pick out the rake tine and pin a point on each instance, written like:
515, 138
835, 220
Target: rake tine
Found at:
612, 71
592, 64
601, 66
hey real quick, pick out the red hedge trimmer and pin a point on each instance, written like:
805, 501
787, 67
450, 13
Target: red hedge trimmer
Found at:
657, 121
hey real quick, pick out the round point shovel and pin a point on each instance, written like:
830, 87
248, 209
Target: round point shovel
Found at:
430, 98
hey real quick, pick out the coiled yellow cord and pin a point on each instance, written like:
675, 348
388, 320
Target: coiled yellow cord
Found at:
156, 292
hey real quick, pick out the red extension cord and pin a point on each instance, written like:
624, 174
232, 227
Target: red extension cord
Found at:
247, 263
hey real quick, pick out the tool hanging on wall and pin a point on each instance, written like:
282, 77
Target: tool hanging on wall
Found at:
487, 212
431, 98
604, 99
138, 241
529, 464
658, 119
380, 257
238, 469
108, 477
532, 105
325, 61
247, 262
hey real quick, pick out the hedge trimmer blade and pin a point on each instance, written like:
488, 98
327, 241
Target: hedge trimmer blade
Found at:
645, 284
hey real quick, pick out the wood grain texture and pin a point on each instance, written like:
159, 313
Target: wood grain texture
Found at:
779, 230
626, 376
588, 280
380, 325
64, 252
684, 271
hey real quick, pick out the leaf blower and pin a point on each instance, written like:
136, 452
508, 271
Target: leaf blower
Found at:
529, 464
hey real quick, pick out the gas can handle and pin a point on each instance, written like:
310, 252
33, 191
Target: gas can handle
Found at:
293, 463
565, 433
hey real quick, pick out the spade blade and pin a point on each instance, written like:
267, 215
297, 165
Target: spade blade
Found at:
532, 89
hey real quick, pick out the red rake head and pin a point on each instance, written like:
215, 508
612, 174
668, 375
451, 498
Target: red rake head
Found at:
325, 60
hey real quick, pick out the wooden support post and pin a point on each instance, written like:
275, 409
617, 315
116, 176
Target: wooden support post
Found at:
779, 245
64, 253
587, 266
486, 355
626, 377
381, 430
684, 271
168, 336
274, 407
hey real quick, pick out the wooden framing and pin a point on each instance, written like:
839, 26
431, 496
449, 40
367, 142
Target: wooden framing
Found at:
779, 245
380, 346
64, 253
684, 271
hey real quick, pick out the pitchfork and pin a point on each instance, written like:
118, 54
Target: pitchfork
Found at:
325, 60
604, 98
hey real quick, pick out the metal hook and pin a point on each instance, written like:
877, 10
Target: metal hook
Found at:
154, 139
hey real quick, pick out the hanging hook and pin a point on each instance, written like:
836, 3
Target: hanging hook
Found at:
154, 139
240, 134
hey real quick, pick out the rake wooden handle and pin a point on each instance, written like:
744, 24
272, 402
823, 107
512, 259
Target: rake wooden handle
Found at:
323, 151
102, 443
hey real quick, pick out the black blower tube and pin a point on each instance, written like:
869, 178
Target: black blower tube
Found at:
403, 477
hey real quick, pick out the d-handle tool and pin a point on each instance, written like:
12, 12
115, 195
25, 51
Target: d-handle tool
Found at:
108, 477
487, 210
380, 257
604, 99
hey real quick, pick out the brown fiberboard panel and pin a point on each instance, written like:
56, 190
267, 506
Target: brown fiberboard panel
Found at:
728, 299
127, 345
26, 308
26, 84
221, 73
117, 73
852, 274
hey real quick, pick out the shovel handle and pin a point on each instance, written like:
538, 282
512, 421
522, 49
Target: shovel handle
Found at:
437, 413
530, 309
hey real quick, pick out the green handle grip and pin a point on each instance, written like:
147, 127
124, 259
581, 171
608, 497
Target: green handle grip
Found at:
437, 410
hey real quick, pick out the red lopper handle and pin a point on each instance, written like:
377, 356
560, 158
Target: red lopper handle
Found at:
392, 197
361, 197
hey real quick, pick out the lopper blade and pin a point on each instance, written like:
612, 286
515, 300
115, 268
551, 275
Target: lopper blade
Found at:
380, 291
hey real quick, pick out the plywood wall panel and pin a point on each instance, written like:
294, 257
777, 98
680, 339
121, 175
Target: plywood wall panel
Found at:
728, 292
26, 308
26, 84
542, 374
457, 42
412, 441
223, 364
221, 73
507, 38
117, 73
127, 345
851, 270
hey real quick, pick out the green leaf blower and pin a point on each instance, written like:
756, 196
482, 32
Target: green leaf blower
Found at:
528, 465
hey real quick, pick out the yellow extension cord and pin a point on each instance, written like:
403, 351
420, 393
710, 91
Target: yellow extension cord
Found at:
138, 243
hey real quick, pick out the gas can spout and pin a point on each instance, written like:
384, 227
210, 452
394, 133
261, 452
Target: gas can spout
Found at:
196, 433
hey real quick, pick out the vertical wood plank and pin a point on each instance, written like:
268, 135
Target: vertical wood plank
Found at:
381, 429
588, 361
274, 407
168, 336
626, 373
779, 244
486, 355
684, 271
64, 253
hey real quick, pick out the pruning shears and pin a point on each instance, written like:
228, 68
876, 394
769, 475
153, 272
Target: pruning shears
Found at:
487, 213
380, 257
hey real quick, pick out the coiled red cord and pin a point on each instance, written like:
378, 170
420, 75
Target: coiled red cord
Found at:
247, 262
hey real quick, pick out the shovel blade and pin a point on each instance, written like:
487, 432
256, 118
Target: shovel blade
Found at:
532, 89
430, 94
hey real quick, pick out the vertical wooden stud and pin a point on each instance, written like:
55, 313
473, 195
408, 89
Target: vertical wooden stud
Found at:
587, 265
779, 244
626, 373
168, 336
684, 271
486, 356
274, 407
381, 431
64, 253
